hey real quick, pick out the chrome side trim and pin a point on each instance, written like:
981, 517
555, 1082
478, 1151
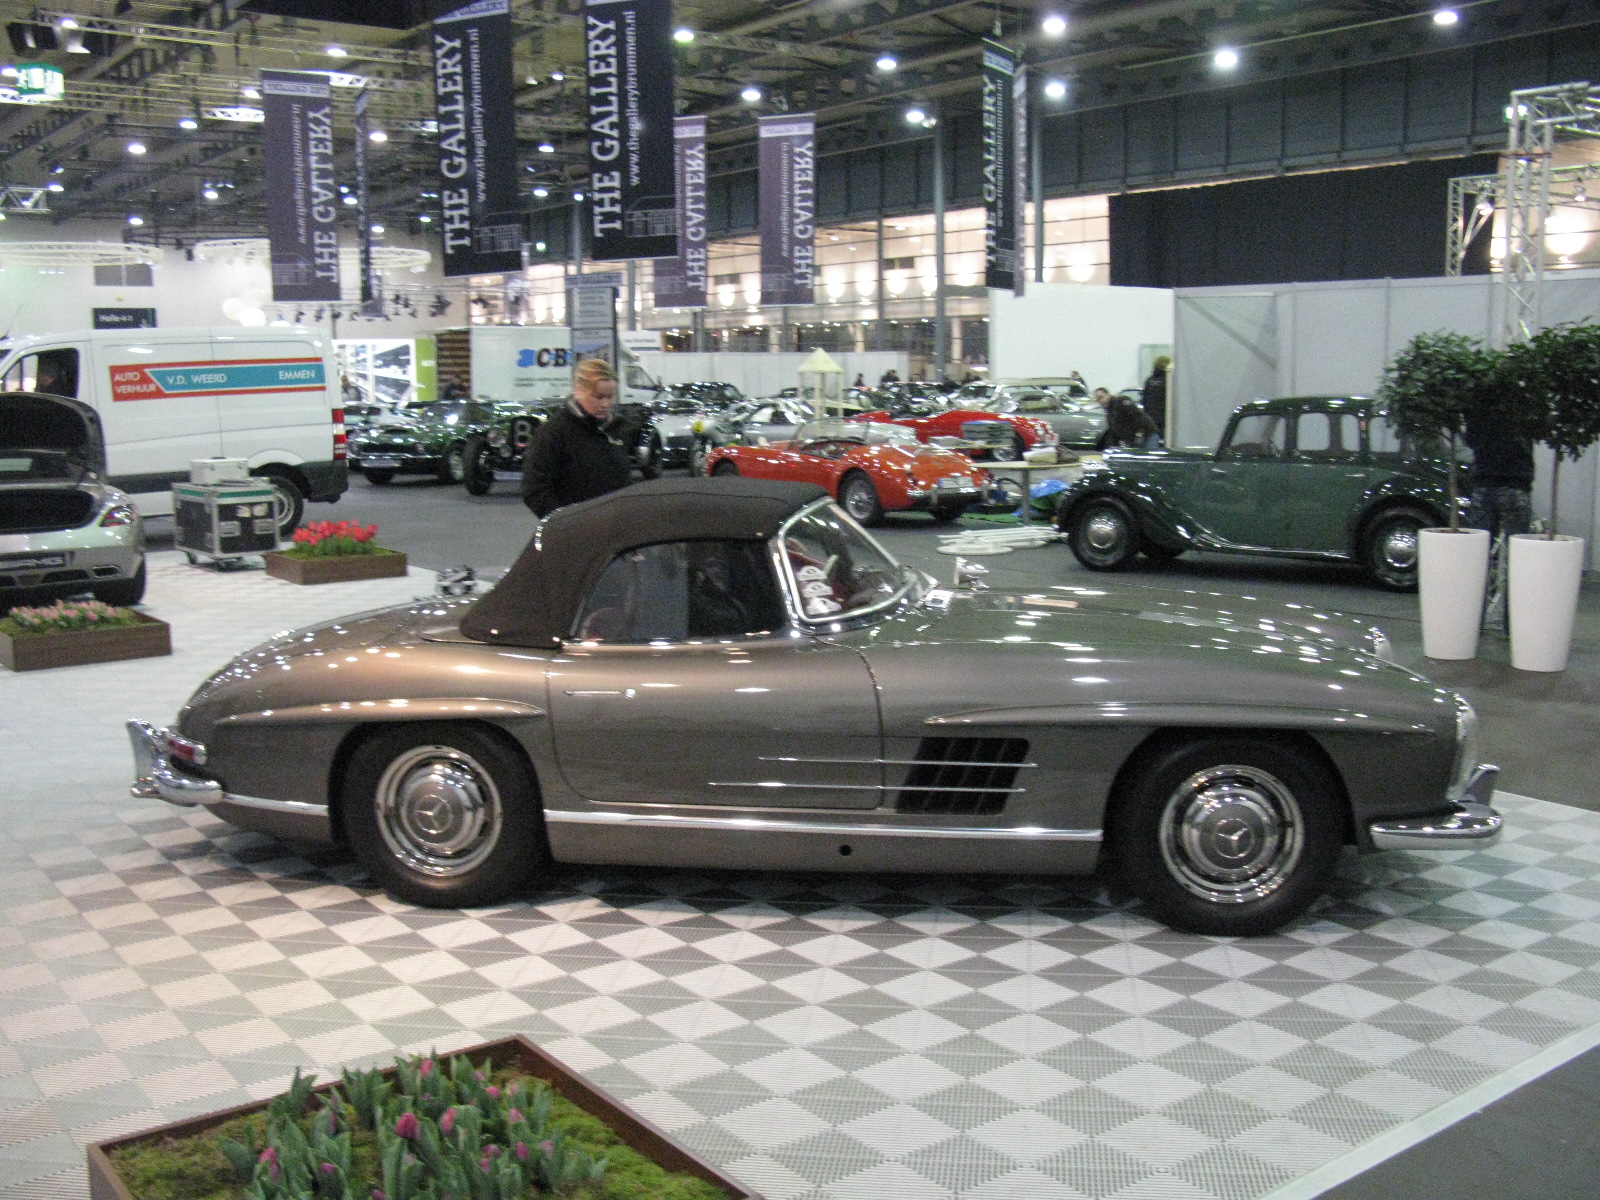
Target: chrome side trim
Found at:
423, 708
298, 808
865, 787
1255, 716
825, 828
896, 762
1469, 827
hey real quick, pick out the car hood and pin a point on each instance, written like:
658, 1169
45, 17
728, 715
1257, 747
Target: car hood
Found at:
1146, 617
34, 421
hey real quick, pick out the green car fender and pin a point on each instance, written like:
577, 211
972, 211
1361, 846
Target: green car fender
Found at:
1403, 492
1158, 520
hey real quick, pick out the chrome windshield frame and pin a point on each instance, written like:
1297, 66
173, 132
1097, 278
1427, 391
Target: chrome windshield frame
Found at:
791, 587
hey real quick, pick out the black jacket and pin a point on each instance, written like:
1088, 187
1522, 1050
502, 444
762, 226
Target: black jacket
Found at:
1501, 457
572, 457
1126, 424
1154, 398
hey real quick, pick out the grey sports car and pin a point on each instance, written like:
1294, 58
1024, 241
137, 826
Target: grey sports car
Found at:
731, 672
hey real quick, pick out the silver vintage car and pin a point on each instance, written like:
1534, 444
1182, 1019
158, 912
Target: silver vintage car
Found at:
731, 672
64, 530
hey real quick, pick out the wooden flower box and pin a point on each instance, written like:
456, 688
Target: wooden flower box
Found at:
342, 569
518, 1053
74, 647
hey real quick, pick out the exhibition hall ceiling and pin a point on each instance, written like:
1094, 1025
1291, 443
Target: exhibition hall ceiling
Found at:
156, 114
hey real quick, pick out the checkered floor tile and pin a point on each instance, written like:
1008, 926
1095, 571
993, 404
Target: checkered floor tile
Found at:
816, 1036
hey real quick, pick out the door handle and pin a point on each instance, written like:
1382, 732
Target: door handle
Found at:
626, 695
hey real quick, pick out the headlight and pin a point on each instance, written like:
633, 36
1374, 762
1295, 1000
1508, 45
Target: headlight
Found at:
1466, 747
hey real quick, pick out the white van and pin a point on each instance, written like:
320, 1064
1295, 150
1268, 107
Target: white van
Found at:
169, 396
533, 363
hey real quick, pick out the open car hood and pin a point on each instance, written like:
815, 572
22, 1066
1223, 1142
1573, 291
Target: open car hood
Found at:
34, 421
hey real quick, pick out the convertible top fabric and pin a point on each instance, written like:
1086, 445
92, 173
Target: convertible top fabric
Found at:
535, 602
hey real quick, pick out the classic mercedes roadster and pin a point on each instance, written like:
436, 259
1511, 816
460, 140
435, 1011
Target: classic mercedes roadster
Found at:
731, 672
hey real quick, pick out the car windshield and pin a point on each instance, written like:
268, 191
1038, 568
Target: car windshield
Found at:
871, 433
834, 569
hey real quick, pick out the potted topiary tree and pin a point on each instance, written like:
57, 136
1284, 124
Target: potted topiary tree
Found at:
1554, 383
1429, 389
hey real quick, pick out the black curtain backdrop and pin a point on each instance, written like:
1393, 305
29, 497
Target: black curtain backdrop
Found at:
1369, 223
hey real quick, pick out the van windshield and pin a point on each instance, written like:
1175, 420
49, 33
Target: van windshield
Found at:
53, 372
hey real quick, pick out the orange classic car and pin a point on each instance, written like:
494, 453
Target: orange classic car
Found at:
869, 468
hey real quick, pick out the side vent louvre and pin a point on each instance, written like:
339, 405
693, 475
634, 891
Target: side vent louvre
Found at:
962, 775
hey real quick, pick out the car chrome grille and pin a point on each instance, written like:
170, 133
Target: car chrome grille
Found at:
962, 775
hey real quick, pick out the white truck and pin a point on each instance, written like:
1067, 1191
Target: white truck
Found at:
169, 396
533, 364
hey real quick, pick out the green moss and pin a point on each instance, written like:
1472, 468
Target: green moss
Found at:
360, 550
192, 1168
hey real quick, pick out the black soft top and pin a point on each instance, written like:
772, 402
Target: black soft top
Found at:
535, 602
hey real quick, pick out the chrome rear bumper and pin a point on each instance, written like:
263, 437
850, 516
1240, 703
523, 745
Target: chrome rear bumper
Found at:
154, 777
1472, 825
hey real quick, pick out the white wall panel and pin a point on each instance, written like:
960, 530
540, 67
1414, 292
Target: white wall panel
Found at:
1096, 330
1225, 346
758, 374
1337, 345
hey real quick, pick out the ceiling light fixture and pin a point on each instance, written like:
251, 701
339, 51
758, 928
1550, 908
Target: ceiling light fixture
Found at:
1053, 25
547, 148
887, 62
751, 94
188, 123
558, 76
337, 52
541, 192
136, 148
683, 35
378, 135
54, 186
1446, 17
577, 195
377, 229
916, 116
425, 219
250, 93
210, 193
1225, 59
350, 200
135, 219
1055, 89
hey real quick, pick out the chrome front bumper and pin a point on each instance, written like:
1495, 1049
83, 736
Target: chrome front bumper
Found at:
1471, 826
154, 776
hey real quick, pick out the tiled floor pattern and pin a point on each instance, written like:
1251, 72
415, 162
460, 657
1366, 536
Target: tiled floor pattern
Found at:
819, 1037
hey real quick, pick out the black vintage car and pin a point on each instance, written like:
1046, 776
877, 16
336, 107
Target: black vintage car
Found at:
501, 445
1322, 477
429, 439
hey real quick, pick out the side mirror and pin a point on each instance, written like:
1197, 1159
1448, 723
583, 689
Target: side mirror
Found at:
970, 575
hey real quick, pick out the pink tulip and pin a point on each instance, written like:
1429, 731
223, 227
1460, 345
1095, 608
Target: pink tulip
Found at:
514, 1116
427, 1067
448, 1121
494, 1092
522, 1151
407, 1126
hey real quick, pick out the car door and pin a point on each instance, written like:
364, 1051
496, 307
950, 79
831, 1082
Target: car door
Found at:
1238, 495
682, 685
1328, 480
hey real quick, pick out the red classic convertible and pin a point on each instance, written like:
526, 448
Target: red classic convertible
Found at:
869, 468
1004, 435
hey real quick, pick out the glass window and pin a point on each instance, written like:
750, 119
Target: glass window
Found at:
1382, 437
1327, 436
673, 591
835, 569
1258, 435
54, 372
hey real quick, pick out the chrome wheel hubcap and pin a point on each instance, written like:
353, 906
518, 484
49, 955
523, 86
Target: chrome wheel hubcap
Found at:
1104, 531
1231, 834
438, 811
457, 462
857, 502
1399, 548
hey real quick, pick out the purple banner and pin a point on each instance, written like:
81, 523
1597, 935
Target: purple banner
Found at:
303, 201
999, 169
1019, 190
371, 301
681, 281
788, 193
630, 73
473, 97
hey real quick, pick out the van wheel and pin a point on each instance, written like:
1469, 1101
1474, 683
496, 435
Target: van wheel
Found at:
289, 502
123, 593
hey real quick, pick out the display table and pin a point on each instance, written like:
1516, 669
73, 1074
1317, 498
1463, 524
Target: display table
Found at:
1023, 472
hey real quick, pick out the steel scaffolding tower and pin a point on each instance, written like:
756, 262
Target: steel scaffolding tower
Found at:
1536, 118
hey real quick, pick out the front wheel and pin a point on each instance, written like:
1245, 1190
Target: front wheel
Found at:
477, 466
453, 466
725, 466
1103, 534
1230, 835
444, 815
379, 476
947, 511
1389, 548
859, 498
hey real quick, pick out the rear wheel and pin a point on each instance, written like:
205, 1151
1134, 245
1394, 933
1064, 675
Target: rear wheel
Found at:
859, 498
444, 815
379, 475
1103, 534
1389, 548
1018, 446
725, 467
477, 465
947, 511
1232, 835
122, 592
1156, 552
289, 501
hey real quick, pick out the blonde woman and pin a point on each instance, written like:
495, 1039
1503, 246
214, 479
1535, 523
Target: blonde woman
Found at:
576, 455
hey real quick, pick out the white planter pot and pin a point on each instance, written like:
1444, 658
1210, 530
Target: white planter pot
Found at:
1452, 567
1545, 573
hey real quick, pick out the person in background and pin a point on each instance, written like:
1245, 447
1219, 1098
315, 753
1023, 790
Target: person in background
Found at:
889, 376
1502, 474
348, 391
1127, 424
1154, 395
861, 380
575, 456
453, 389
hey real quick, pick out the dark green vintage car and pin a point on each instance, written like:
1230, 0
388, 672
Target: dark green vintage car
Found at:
1322, 477
429, 440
